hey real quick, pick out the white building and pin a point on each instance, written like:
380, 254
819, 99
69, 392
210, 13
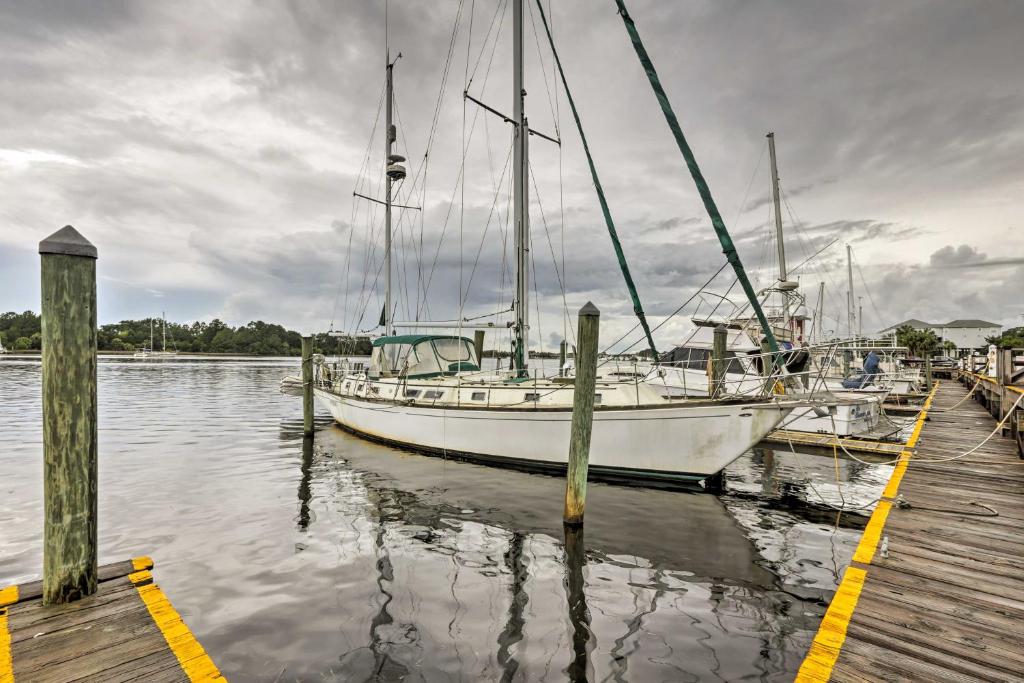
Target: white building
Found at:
966, 334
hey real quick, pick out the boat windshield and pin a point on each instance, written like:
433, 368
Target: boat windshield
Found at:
453, 350
695, 358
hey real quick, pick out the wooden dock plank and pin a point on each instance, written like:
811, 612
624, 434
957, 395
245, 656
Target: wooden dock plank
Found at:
127, 631
942, 597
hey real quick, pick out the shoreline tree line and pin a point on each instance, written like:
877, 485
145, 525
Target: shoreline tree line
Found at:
23, 332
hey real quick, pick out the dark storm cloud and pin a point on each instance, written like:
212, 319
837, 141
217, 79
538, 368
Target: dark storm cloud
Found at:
211, 149
955, 256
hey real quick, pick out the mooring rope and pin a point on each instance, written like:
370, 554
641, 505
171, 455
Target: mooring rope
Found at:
999, 426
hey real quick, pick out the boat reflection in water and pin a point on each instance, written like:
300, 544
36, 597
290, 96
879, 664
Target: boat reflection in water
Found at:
444, 570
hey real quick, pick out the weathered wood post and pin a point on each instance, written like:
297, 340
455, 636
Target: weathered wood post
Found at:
307, 386
580, 667
928, 371
582, 414
478, 342
562, 355
718, 362
68, 264
1004, 367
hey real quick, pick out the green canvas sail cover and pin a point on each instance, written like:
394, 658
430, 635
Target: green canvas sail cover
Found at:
638, 309
728, 248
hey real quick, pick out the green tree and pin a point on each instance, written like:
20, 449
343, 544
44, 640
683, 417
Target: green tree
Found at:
918, 342
22, 344
1012, 338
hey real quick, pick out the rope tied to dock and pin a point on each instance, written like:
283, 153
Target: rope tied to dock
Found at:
930, 461
904, 504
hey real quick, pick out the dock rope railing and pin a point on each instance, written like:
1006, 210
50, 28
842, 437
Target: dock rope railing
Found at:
999, 426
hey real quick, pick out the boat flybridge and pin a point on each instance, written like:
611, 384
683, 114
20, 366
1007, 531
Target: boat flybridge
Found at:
428, 391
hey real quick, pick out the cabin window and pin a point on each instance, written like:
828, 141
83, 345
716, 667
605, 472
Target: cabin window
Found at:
597, 398
412, 393
395, 356
532, 397
453, 350
479, 395
359, 387
432, 394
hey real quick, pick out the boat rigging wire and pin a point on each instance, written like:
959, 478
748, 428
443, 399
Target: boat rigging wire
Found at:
801, 232
551, 247
624, 267
487, 224
728, 247
867, 289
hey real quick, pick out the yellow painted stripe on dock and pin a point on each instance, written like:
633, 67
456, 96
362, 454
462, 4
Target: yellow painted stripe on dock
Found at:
143, 562
872, 532
193, 659
6, 666
824, 652
821, 658
901, 467
8, 596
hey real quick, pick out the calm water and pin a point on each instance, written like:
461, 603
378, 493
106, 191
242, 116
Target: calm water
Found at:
344, 560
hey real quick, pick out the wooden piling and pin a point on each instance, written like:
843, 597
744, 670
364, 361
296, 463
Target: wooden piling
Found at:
928, 372
582, 414
562, 355
307, 386
68, 264
478, 342
718, 362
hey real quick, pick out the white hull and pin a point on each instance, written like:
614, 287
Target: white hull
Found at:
854, 416
857, 412
671, 442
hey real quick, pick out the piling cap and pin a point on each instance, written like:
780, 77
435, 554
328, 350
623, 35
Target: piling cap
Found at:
589, 309
68, 241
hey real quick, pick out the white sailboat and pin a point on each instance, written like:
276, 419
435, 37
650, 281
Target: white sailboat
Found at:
427, 391
151, 352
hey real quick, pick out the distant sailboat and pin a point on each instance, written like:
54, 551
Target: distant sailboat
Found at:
150, 352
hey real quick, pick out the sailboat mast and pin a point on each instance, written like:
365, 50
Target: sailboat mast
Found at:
150, 333
849, 289
778, 212
778, 229
521, 199
821, 312
389, 139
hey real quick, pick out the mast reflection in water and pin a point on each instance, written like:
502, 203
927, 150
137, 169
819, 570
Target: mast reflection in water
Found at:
338, 559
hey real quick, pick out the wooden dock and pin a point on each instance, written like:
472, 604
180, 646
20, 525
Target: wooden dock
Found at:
127, 631
936, 590
831, 442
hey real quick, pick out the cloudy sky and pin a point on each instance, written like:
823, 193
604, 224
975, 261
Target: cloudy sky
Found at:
210, 151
